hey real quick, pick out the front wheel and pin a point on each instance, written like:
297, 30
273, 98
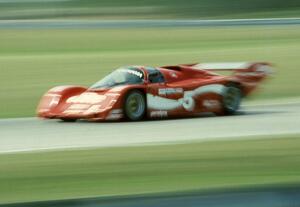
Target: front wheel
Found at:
135, 105
231, 100
67, 120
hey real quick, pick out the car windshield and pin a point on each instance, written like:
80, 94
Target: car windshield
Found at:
121, 76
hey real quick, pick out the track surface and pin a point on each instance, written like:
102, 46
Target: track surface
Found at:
28, 134
263, 197
63, 24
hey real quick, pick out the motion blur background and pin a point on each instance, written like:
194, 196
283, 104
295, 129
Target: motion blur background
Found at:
34, 58
147, 9
38, 57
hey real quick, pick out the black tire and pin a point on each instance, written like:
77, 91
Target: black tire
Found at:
135, 105
231, 99
68, 120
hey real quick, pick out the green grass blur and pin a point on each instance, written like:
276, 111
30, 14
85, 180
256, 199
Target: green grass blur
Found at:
148, 169
32, 61
150, 9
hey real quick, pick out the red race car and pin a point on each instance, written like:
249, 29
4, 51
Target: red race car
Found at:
137, 92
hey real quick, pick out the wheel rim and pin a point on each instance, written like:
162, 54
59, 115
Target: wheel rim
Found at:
135, 106
232, 98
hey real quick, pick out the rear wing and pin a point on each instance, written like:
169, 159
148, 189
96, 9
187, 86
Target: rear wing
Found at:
233, 66
238, 68
222, 66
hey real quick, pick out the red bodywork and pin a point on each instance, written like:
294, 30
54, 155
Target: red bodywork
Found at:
187, 90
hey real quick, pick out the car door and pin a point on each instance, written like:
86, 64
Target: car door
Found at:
156, 83
156, 94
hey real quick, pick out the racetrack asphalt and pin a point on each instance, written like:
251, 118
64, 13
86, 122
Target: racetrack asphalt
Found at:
270, 196
30, 134
64, 24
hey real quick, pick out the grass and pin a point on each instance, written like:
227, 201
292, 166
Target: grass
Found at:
148, 169
32, 61
117, 9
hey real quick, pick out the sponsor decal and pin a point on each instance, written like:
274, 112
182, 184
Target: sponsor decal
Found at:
173, 74
94, 109
54, 101
72, 112
160, 103
111, 103
188, 101
134, 72
83, 109
211, 104
88, 98
158, 114
114, 117
115, 114
116, 111
168, 91
212, 88
78, 106
114, 95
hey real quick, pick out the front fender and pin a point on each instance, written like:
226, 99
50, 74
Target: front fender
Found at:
123, 90
50, 101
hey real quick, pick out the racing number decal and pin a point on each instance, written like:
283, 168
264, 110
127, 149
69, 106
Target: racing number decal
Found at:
187, 101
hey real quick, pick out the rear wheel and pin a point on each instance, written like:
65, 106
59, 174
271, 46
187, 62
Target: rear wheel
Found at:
135, 105
232, 99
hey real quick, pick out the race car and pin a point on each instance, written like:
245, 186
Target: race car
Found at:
138, 92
